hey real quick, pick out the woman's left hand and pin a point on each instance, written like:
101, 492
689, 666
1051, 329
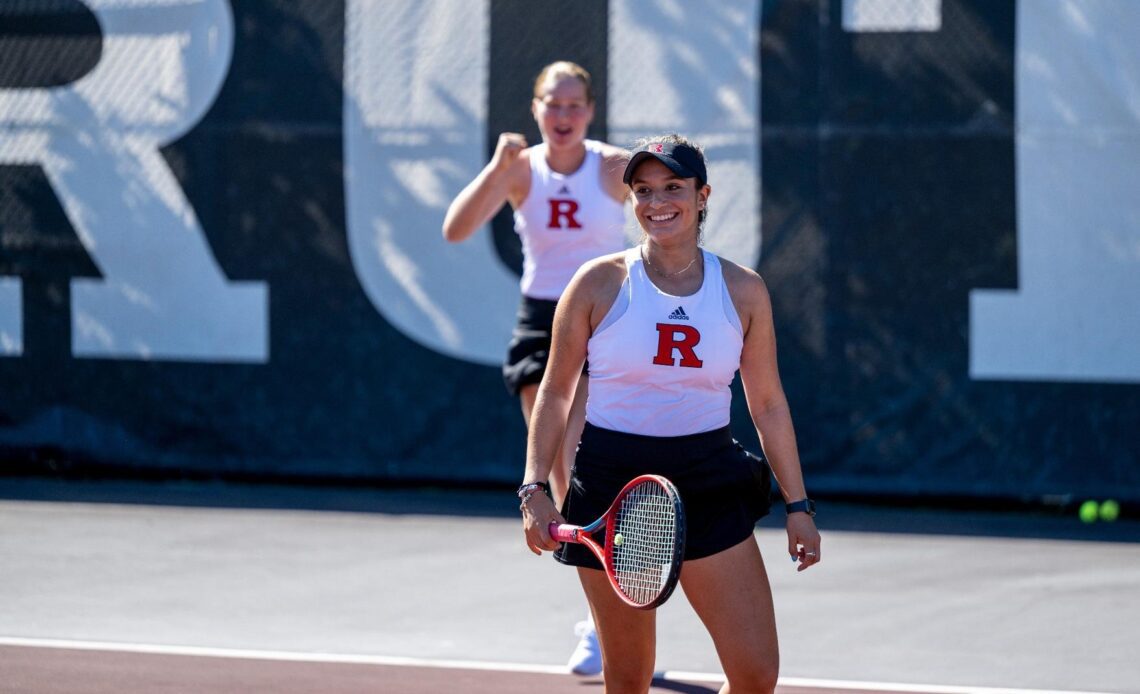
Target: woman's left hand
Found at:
803, 540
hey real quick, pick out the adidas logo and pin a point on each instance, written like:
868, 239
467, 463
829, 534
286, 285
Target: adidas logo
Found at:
679, 314
564, 190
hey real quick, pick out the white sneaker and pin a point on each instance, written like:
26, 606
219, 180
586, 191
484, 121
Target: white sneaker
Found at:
587, 656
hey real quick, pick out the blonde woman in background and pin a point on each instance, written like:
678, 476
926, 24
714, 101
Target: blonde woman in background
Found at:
568, 199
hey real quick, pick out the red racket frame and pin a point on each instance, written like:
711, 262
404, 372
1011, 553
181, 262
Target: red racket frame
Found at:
584, 535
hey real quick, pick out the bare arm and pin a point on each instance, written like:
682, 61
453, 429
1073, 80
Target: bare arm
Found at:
504, 178
581, 308
614, 160
768, 406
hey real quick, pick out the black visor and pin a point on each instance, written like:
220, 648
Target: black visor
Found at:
682, 160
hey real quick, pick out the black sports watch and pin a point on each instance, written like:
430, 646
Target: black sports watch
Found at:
802, 506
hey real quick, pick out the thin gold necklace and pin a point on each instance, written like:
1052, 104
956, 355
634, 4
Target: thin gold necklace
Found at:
666, 275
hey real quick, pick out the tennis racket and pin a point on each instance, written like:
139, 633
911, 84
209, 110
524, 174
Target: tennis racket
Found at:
642, 540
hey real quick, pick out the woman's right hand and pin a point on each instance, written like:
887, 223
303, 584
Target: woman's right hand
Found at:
507, 150
538, 513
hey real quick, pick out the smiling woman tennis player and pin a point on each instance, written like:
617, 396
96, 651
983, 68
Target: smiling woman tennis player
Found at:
665, 326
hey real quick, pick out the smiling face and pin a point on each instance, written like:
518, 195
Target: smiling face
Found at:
667, 206
563, 110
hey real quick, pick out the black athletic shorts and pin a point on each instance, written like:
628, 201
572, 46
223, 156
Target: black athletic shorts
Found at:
725, 488
529, 348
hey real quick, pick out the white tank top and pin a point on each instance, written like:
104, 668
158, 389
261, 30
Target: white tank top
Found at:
565, 220
662, 365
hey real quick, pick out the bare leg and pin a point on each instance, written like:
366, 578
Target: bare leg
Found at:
731, 595
628, 636
560, 472
586, 658
574, 426
527, 395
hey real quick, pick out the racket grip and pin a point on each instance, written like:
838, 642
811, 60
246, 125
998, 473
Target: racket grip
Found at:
564, 533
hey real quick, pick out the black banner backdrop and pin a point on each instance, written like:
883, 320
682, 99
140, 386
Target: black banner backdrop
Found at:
888, 194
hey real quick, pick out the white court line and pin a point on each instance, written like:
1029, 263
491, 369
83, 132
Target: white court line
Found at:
361, 659
291, 656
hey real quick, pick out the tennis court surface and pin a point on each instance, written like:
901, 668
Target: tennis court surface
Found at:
130, 587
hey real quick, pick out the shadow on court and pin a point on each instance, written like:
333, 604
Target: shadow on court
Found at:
682, 687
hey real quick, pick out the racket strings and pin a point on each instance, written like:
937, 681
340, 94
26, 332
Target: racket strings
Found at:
647, 524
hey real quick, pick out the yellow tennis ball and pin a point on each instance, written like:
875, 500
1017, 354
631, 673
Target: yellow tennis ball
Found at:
1089, 511
1109, 510
618, 539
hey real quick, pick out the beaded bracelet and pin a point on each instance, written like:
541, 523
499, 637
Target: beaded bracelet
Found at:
526, 491
529, 488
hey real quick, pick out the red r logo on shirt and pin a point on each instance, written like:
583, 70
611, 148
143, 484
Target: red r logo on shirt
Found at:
563, 209
682, 338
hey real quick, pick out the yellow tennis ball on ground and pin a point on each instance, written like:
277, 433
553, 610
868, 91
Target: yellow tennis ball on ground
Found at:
618, 539
1109, 510
1089, 511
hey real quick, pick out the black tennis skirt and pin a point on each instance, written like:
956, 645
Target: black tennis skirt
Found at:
725, 488
529, 348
